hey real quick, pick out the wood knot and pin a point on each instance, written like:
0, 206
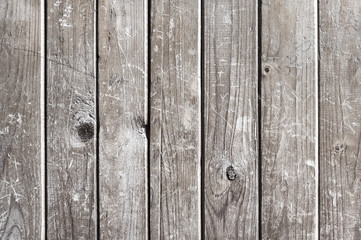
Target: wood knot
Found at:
339, 148
85, 131
267, 69
231, 173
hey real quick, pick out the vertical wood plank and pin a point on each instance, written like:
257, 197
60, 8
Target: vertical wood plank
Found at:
123, 119
230, 119
175, 120
70, 119
288, 120
340, 124
20, 181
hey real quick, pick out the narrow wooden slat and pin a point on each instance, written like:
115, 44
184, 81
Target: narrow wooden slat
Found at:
340, 123
288, 124
175, 120
123, 119
230, 119
20, 182
70, 119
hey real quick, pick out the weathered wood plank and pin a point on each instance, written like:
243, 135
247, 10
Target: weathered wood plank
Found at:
175, 120
20, 183
288, 140
340, 124
70, 119
123, 119
230, 119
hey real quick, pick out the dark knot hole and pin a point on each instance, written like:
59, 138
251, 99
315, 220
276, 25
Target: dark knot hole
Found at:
85, 131
231, 173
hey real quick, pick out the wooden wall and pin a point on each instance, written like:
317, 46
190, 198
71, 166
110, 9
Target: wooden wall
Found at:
175, 119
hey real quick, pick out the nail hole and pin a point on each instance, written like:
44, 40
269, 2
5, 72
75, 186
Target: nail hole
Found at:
231, 173
266, 69
85, 131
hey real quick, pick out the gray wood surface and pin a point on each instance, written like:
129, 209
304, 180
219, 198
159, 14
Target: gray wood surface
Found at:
340, 124
123, 119
208, 140
175, 120
288, 124
230, 119
71, 120
20, 184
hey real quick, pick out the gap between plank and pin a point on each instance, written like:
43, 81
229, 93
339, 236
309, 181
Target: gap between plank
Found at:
43, 116
201, 112
200, 123
147, 85
259, 54
317, 155
96, 167
147, 70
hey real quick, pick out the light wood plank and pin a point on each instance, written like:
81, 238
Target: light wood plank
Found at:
70, 120
340, 124
175, 120
123, 119
288, 120
20, 182
230, 119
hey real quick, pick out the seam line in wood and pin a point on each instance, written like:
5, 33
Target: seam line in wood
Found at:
42, 116
200, 122
96, 162
147, 89
316, 124
259, 111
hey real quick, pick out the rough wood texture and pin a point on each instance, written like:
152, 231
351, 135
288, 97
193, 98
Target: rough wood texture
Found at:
340, 124
70, 119
123, 119
230, 119
288, 120
175, 120
20, 120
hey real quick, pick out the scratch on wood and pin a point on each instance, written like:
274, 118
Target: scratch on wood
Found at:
15, 225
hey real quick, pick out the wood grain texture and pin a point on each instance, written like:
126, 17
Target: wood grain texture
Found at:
70, 120
340, 124
123, 119
288, 123
230, 119
175, 120
20, 183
